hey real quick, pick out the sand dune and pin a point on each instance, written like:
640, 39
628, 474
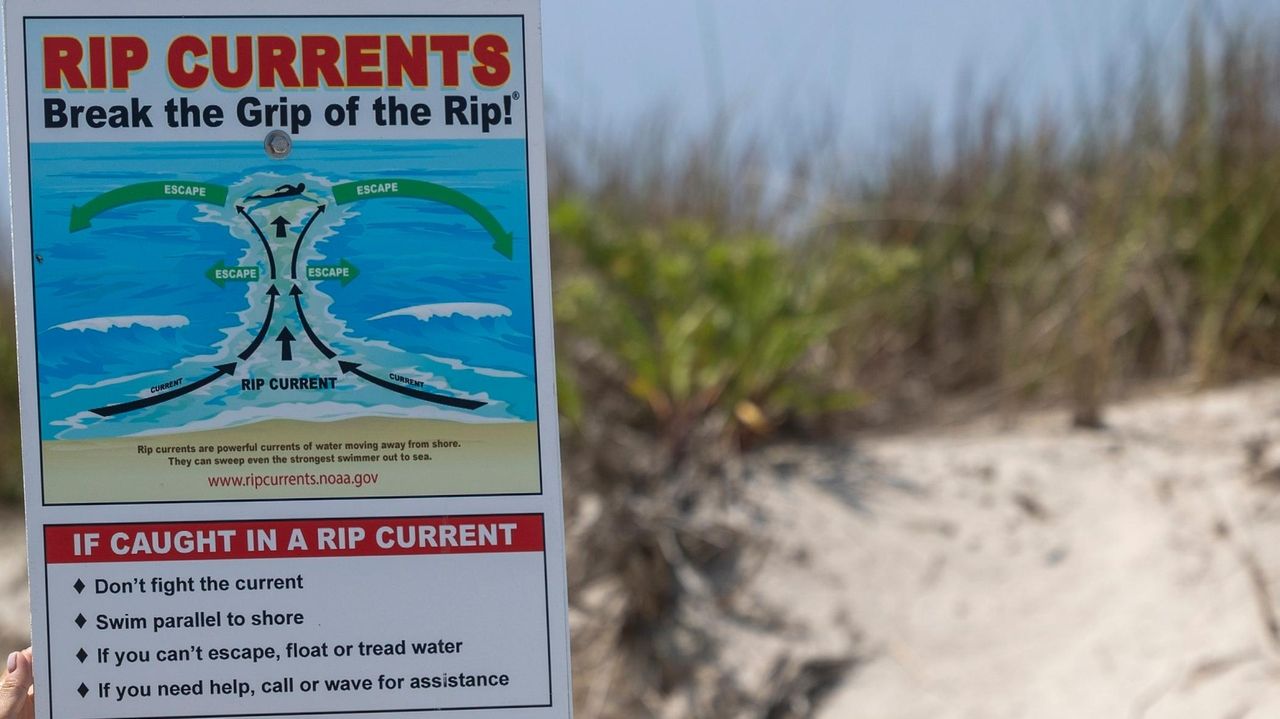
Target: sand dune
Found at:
1035, 572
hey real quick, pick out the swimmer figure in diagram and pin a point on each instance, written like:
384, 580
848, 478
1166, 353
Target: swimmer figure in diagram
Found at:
285, 190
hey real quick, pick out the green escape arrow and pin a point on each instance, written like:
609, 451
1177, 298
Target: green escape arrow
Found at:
344, 271
144, 191
349, 192
220, 274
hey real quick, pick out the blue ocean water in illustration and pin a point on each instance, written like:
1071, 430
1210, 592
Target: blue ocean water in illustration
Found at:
124, 310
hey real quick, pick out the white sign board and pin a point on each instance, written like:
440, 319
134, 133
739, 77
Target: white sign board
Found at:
286, 366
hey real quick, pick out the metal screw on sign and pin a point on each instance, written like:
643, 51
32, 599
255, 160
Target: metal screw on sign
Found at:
278, 144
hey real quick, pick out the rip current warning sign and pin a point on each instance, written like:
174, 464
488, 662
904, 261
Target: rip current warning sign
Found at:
289, 423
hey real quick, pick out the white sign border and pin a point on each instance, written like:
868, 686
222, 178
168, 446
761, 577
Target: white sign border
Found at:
550, 503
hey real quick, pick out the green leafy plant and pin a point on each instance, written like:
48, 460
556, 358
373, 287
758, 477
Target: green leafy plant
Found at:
697, 324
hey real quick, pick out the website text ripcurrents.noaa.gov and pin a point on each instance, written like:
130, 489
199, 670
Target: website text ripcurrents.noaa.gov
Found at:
310, 479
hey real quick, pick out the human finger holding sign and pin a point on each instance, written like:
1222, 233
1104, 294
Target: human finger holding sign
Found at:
17, 698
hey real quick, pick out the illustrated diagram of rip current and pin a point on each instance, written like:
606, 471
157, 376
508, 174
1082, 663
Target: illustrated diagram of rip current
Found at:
285, 281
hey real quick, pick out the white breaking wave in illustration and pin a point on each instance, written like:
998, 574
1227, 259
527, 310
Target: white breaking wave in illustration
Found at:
79, 420
107, 382
474, 310
459, 365
103, 324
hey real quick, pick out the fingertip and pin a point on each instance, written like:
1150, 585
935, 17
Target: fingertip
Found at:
21, 667
16, 683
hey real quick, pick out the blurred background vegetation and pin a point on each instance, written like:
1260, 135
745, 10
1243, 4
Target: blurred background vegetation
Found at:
1063, 259
706, 303
10, 467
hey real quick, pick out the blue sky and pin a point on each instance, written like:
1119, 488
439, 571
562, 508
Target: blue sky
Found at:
864, 63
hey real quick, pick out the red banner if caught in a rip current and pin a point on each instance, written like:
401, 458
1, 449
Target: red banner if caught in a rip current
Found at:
288, 538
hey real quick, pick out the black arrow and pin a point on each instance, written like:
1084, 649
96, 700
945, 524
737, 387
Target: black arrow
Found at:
306, 326
286, 339
270, 257
298, 246
281, 226
273, 293
228, 369
354, 368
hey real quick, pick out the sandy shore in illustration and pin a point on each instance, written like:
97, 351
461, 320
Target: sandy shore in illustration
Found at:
288, 459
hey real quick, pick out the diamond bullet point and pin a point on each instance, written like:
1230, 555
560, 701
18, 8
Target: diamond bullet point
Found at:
79, 585
81, 655
83, 689
80, 620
